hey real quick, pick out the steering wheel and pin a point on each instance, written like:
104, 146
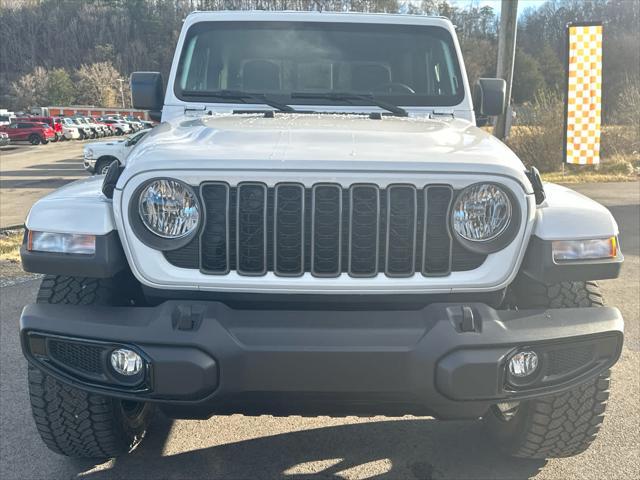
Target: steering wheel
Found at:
389, 87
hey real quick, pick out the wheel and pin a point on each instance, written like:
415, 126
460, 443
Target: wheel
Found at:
92, 134
118, 131
34, 139
559, 425
44, 141
73, 422
102, 166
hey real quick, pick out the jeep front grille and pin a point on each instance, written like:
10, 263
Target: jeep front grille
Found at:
326, 230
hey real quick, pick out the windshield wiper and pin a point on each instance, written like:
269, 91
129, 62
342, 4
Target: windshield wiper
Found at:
243, 97
347, 97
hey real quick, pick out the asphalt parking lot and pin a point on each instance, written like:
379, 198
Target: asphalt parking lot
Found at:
238, 447
27, 172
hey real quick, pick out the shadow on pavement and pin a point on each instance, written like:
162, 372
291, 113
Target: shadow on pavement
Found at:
408, 448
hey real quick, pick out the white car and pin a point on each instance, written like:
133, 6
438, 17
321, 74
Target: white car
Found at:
121, 126
70, 131
98, 156
83, 129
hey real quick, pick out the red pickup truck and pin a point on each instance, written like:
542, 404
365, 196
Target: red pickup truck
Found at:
32, 132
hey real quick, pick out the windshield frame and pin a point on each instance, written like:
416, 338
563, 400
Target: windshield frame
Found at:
405, 100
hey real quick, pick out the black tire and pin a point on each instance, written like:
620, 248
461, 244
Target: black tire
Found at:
103, 165
34, 139
559, 425
73, 422
44, 141
119, 131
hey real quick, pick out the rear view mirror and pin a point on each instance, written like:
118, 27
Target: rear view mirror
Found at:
147, 93
489, 96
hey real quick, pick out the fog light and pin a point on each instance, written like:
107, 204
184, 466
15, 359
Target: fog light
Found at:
523, 364
126, 362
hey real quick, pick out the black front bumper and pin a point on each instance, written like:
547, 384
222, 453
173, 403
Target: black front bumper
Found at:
446, 360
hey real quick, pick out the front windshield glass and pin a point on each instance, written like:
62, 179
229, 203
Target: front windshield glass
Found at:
400, 64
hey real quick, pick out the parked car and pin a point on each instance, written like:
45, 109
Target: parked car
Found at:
4, 139
6, 117
83, 130
96, 130
98, 156
263, 257
32, 132
108, 128
121, 127
53, 122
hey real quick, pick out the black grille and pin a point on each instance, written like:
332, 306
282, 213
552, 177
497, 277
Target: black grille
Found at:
565, 360
77, 356
289, 230
326, 230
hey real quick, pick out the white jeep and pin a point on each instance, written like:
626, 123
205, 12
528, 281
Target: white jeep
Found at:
98, 156
318, 227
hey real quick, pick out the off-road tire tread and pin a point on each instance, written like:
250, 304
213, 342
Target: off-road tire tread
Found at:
566, 424
76, 290
76, 423
532, 294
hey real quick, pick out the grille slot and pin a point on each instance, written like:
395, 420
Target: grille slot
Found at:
401, 230
214, 242
289, 229
364, 230
326, 230
437, 239
251, 229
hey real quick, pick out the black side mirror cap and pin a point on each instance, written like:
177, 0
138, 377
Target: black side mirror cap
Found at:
147, 92
489, 96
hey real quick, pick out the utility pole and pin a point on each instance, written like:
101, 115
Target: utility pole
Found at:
121, 80
506, 59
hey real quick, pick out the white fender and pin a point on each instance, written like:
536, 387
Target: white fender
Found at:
569, 215
79, 207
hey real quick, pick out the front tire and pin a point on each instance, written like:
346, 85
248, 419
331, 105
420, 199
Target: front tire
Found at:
34, 139
559, 425
74, 422
102, 166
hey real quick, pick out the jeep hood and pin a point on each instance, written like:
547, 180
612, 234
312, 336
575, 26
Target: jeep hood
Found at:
327, 142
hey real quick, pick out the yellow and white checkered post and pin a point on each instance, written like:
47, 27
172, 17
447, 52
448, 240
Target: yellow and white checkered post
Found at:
584, 95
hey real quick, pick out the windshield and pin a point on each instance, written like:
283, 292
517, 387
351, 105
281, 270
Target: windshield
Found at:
400, 64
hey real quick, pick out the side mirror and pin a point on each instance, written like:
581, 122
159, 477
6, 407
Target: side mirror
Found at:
489, 96
147, 93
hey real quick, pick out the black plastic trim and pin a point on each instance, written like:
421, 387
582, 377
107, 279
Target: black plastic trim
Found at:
350, 243
420, 359
205, 224
265, 207
412, 269
275, 229
338, 271
108, 259
425, 244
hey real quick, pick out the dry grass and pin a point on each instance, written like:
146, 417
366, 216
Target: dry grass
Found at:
10, 246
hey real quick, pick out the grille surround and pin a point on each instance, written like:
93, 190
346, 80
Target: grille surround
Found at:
457, 257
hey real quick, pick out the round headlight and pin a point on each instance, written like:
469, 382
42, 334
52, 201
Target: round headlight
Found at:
169, 208
481, 212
